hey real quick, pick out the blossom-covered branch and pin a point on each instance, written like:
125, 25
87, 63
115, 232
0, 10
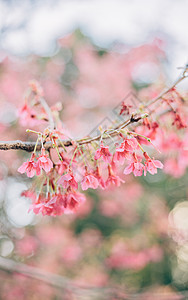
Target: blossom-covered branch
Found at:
90, 162
29, 146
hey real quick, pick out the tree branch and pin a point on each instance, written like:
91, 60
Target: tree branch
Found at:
58, 281
69, 287
29, 146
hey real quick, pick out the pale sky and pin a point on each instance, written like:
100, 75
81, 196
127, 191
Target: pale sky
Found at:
33, 26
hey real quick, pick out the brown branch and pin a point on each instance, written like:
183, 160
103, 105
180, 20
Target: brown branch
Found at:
29, 146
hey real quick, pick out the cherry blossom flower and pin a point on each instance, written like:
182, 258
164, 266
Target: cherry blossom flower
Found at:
112, 178
62, 167
68, 180
120, 155
72, 201
43, 162
63, 164
179, 122
125, 108
41, 206
151, 165
29, 167
104, 153
50, 206
123, 152
89, 181
136, 167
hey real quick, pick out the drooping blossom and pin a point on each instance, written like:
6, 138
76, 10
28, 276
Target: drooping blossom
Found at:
112, 178
62, 167
151, 165
63, 164
123, 152
101, 181
89, 181
125, 108
68, 180
43, 162
179, 122
104, 153
136, 167
29, 167
51, 205
41, 206
72, 201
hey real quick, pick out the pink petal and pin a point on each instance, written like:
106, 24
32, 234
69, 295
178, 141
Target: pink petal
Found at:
31, 173
128, 169
158, 164
42, 159
97, 154
22, 169
93, 182
84, 185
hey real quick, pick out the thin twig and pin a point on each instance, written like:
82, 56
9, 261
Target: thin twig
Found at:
166, 90
48, 111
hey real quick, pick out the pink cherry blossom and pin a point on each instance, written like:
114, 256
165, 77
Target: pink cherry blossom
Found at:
120, 155
68, 180
89, 181
130, 144
29, 167
104, 153
50, 206
151, 165
136, 167
63, 165
112, 178
72, 202
123, 152
43, 162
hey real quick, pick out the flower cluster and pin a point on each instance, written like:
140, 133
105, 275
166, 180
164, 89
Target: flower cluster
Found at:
62, 178
91, 162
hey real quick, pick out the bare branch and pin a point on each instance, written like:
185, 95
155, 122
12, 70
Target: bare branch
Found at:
181, 78
58, 281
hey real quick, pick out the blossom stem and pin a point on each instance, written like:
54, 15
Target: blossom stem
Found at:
36, 145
